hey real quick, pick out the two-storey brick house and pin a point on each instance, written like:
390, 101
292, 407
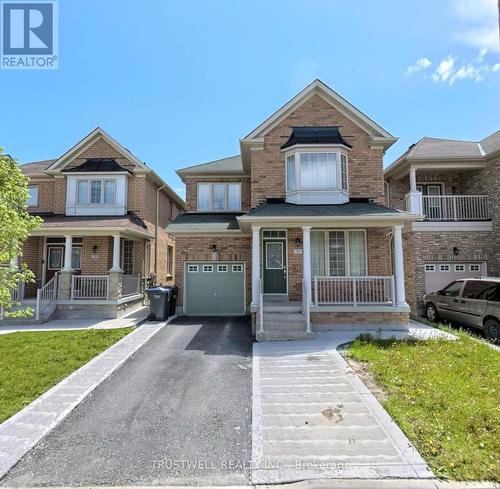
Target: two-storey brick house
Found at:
454, 185
104, 215
294, 229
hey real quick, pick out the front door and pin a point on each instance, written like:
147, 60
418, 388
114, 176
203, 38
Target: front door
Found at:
274, 251
55, 260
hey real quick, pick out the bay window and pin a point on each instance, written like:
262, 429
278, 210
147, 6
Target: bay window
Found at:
317, 176
219, 197
338, 253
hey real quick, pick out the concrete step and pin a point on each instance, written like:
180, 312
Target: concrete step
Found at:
275, 326
283, 317
283, 306
283, 335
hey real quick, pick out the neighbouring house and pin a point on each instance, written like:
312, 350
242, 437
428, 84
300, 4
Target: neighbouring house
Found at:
294, 229
454, 184
104, 216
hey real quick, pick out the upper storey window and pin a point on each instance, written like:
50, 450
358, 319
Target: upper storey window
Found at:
219, 197
316, 166
95, 192
32, 196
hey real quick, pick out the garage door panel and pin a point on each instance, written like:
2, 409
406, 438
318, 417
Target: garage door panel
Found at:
436, 276
216, 292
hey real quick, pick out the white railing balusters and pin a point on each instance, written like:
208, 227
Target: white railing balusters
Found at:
46, 297
261, 308
91, 287
455, 207
354, 290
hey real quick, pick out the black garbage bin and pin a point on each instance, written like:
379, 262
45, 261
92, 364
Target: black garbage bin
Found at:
159, 303
173, 299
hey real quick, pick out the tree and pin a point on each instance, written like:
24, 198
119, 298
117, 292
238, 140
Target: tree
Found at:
15, 227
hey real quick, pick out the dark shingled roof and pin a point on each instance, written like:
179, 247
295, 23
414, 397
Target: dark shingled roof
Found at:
97, 164
38, 167
209, 218
285, 209
315, 135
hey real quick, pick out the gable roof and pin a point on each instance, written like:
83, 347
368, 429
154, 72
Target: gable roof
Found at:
88, 140
431, 149
334, 99
491, 143
36, 167
230, 165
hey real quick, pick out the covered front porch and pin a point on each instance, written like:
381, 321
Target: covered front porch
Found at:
312, 273
84, 273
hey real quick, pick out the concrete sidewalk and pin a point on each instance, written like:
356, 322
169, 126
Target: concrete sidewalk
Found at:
132, 319
313, 418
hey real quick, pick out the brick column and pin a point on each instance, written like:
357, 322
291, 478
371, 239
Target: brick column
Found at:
64, 282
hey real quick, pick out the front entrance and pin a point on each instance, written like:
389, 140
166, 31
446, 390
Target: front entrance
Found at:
55, 260
275, 273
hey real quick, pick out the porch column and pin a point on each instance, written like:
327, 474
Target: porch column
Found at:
414, 197
399, 272
255, 265
306, 259
116, 254
67, 253
66, 273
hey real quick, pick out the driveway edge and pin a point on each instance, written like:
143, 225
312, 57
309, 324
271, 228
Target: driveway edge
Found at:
21, 432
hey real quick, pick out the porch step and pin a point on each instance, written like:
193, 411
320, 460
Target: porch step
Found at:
284, 317
282, 306
273, 335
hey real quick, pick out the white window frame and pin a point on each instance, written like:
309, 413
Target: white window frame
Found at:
457, 266
211, 196
237, 268
326, 243
430, 268
296, 152
222, 268
89, 191
192, 268
207, 268
35, 187
473, 269
170, 260
444, 268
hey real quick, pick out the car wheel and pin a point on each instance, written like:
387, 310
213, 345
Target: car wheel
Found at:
492, 330
431, 312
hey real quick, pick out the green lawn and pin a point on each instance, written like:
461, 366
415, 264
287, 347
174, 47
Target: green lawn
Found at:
445, 397
31, 363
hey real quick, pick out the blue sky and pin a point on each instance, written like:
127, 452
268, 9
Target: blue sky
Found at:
179, 82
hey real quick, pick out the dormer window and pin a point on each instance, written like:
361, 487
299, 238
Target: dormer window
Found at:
316, 166
95, 192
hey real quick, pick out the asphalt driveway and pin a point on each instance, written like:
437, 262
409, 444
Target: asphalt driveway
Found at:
177, 412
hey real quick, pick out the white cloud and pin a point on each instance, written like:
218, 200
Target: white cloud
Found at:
479, 21
444, 70
451, 69
420, 64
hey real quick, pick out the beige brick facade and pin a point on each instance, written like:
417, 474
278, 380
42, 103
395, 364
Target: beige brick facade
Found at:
365, 163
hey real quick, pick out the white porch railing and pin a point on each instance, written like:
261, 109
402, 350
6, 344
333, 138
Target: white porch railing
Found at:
455, 207
354, 290
90, 287
131, 285
46, 297
18, 293
306, 306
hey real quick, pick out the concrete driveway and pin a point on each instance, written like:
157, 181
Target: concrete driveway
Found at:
177, 412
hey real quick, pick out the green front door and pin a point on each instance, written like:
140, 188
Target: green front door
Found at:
274, 266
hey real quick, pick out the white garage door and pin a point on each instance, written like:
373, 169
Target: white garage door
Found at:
440, 274
214, 289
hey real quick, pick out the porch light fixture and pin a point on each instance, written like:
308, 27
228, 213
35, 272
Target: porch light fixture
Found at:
94, 254
297, 242
215, 253
94, 249
456, 251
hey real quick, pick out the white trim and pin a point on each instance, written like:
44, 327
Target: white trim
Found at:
91, 138
34, 186
223, 268
452, 226
192, 269
478, 265
262, 264
456, 265
238, 268
334, 99
361, 308
429, 270
211, 196
445, 267
207, 268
